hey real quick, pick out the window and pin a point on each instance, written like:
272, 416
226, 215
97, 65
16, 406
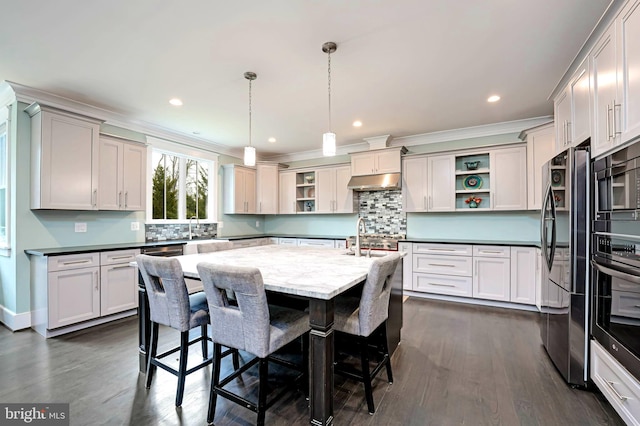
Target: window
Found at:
181, 187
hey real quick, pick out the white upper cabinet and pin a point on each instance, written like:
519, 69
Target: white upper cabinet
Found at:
603, 66
428, 183
580, 90
540, 149
508, 168
441, 195
414, 184
376, 161
562, 116
267, 188
628, 63
122, 175
287, 193
571, 110
615, 60
332, 195
239, 189
64, 159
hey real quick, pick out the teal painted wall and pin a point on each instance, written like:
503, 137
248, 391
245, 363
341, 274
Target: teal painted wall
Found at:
340, 225
507, 226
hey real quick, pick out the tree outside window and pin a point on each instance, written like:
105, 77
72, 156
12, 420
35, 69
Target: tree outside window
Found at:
180, 187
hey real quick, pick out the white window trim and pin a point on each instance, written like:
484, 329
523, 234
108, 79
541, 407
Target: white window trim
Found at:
184, 152
5, 244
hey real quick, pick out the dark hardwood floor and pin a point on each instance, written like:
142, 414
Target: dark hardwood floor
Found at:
457, 365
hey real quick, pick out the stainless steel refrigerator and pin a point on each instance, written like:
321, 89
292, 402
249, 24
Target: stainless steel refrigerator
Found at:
565, 251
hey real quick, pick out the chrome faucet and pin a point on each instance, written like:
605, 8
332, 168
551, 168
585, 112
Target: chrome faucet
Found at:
197, 225
364, 231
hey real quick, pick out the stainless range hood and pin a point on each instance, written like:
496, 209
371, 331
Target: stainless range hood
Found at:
375, 182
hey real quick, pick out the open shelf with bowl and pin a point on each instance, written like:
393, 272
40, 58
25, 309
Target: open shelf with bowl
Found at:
473, 182
306, 192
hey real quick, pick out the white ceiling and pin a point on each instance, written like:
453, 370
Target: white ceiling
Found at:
402, 67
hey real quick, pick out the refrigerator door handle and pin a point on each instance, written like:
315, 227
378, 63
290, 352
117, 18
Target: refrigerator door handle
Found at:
548, 254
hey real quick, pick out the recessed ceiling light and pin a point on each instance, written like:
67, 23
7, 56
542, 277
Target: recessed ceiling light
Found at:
357, 123
494, 98
272, 140
175, 102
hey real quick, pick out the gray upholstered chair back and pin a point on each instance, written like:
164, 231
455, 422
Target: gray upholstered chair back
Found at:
166, 291
246, 326
374, 302
213, 247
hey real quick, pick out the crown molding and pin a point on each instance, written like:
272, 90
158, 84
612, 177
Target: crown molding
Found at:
30, 95
484, 130
317, 153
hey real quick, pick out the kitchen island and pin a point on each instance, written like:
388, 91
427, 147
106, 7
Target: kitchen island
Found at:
317, 275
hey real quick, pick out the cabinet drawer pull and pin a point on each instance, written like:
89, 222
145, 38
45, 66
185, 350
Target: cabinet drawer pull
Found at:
121, 267
442, 285
442, 264
95, 197
120, 199
433, 249
97, 281
122, 257
491, 251
76, 262
615, 392
126, 199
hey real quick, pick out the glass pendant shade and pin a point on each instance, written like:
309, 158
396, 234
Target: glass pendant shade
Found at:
250, 156
329, 144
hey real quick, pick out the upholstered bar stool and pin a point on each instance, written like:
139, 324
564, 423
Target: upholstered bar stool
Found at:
365, 318
213, 247
253, 326
171, 305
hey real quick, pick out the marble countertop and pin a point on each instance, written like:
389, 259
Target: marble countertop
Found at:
318, 273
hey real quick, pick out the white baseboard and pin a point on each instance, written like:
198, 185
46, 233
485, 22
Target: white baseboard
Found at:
471, 301
13, 321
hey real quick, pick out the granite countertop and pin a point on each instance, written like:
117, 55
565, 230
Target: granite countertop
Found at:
56, 251
302, 271
409, 239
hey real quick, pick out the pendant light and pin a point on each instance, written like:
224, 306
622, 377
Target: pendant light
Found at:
250, 151
329, 138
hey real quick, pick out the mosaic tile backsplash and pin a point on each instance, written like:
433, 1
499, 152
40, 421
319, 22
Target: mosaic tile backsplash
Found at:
382, 212
165, 232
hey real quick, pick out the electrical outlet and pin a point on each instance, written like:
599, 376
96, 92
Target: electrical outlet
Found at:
81, 227
135, 226
257, 224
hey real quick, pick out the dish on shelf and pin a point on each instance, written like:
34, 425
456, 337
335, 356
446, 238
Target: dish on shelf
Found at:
556, 177
472, 182
472, 165
311, 192
309, 179
557, 197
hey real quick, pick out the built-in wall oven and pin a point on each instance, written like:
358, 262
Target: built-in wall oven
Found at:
615, 257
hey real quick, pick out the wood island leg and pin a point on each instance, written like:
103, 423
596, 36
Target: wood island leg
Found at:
321, 361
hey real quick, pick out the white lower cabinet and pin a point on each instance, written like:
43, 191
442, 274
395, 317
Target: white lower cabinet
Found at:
407, 265
621, 389
443, 284
442, 269
69, 290
311, 242
73, 289
118, 281
492, 277
525, 270
500, 273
